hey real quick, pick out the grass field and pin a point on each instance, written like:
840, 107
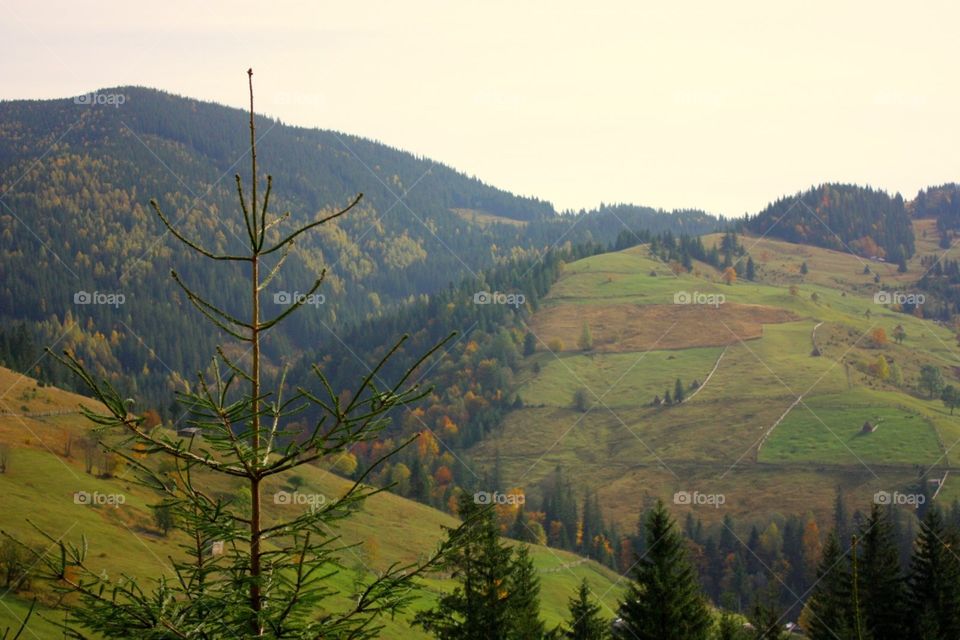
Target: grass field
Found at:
827, 429
622, 379
39, 485
618, 328
632, 453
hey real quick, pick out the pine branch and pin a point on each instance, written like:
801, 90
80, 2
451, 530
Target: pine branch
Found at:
190, 243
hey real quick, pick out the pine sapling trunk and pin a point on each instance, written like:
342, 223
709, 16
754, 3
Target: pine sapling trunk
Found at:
856, 588
255, 599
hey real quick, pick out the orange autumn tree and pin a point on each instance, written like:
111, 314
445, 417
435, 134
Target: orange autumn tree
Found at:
729, 275
878, 336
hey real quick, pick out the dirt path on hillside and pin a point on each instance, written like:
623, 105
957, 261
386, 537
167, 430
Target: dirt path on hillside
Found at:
709, 375
774, 426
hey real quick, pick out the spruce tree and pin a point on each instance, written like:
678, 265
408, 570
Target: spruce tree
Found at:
524, 598
934, 582
586, 621
521, 529
279, 568
479, 607
831, 601
766, 619
729, 628
678, 391
591, 524
529, 344
841, 520
664, 601
751, 269
882, 587
585, 341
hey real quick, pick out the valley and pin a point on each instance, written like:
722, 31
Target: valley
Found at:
754, 393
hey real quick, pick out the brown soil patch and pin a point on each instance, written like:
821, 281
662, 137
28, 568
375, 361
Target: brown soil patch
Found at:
629, 327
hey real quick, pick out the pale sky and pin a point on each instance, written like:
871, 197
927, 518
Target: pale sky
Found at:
720, 106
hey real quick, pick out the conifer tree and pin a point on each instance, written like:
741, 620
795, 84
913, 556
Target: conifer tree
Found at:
529, 344
586, 621
275, 574
882, 587
479, 607
934, 582
585, 341
560, 509
521, 528
729, 628
524, 598
766, 618
591, 524
831, 601
841, 519
678, 391
664, 601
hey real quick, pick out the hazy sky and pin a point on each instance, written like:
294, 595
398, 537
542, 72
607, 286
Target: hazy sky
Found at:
721, 106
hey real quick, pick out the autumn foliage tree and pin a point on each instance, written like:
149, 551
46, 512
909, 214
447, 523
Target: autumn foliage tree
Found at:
729, 275
878, 336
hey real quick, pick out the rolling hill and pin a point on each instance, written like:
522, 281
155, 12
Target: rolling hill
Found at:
780, 375
76, 179
750, 379
848, 218
42, 436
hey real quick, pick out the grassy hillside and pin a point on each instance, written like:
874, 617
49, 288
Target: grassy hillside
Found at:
41, 480
744, 433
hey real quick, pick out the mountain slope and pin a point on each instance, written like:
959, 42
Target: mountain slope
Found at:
42, 478
862, 220
743, 353
74, 217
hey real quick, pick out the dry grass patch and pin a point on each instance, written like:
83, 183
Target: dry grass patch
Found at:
483, 219
619, 328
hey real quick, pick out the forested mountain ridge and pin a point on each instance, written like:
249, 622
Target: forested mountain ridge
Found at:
941, 203
843, 217
77, 178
